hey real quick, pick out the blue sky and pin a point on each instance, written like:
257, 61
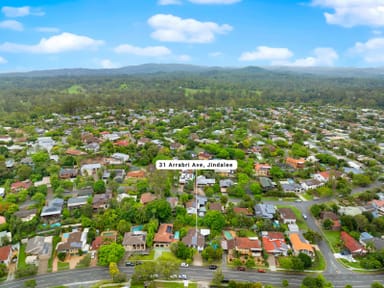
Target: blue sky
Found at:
230, 33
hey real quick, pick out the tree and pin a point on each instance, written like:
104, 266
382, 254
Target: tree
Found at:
315, 282
113, 270
285, 283
3, 270
327, 224
181, 251
61, 256
110, 253
307, 261
99, 187
215, 220
167, 265
376, 285
218, 277
158, 209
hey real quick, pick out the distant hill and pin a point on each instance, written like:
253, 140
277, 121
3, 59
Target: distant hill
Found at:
152, 68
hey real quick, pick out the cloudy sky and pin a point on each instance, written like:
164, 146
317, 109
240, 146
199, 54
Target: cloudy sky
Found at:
116, 33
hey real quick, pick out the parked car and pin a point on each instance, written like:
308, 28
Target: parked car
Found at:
212, 267
184, 265
261, 270
305, 216
240, 268
127, 264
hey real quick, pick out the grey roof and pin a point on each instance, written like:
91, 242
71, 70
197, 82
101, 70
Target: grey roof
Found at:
226, 183
265, 210
54, 207
76, 201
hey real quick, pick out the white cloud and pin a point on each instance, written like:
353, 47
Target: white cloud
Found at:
56, 44
214, 1
322, 56
151, 51
108, 64
20, 11
372, 51
170, 28
169, 2
183, 58
48, 29
266, 53
216, 54
353, 12
12, 25
3, 60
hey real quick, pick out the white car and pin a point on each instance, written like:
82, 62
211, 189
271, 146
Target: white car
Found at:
183, 276
184, 265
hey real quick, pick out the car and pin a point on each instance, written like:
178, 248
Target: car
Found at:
138, 263
241, 268
185, 265
212, 267
261, 270
183, 276
305, 216
173, 276
298, 200
128, 264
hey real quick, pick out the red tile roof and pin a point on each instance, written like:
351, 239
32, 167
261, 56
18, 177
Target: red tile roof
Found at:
147, 197
351, 243
273, 241
164, 234
4, 252
240, 210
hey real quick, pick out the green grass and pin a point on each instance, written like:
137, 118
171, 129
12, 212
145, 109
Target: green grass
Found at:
333, 239
319, 263
75, 89
85, 262
21, 263
143, 257
62, 266
355, 265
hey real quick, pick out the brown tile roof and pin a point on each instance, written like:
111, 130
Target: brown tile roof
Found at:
273, 241
136, 174
247, 243
134, 239
164, 234
4, 252
215, 206
287, 213
147, 197
240, 210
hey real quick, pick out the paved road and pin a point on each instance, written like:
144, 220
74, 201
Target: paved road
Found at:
86, 277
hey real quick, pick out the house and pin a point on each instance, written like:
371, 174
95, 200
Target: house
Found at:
74, 242
77, 202
2, 192
336, 226
289, 187
121, 156
201, 180
20, 185
266, 211
287, 215
105, 237
173, 202
3, 220
100, 201
39, 246
274, 243
147, 197
67, 173
90, 169
6, 254
295, 163
52, 211
204, 156
136, 174
376, 243
26, 215
135, 241
248, 246
301, 245
194, 240
75, 152
262, 170
266, 183
244, 211
322, 176
311, 184
225, 184
186, 176
216, 206
164, 236
352, 245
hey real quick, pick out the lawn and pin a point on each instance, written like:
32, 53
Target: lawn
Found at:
150, 256
333, 238
62, 266
75, 89
319, 263
21, 263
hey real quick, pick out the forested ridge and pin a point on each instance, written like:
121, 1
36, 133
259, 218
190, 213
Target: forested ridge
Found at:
71, 92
